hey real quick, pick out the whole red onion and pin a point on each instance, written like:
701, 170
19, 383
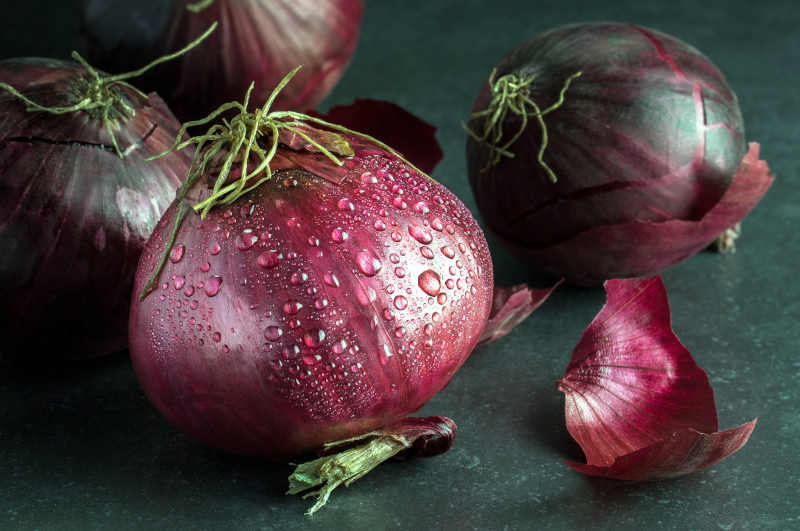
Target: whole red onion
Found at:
258, 40
606, 150
309, 310
77, 202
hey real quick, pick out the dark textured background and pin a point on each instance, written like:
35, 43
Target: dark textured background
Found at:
81, 448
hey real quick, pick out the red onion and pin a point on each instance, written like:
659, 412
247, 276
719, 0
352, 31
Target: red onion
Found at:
325, 302
259, 40
636, 401
77, 202
606, 150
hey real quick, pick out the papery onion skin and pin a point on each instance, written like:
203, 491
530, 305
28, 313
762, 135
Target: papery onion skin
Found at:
257, 40
635, 400
342, 310
650, 134
74, 215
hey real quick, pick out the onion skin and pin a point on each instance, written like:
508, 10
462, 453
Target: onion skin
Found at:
257, 40
74, 216
644, 146
635, 400
248, 390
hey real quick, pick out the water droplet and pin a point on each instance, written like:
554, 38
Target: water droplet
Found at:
437, 225
400, 302
379, 225
396, 236
462, 247
189, 291
448, 251
450, 229
298, 277
398, 202
345, 204
339, 235
314, 338
368, 178
449, 283
292, 306
339, 346
212, 285
399, 331
179, 282
420, 234
311, 360
194, 304
367, 263
217, 337
427, 252
313, 241
294, 324
206, 267
293, 223
400, 272
422, 207
269, 259
319, 304
330, 279
214, 249
428, 329
436, 317
176, 254
245, 241
393, 258
273, 333
441, 298
290, 352
386, 354
429, 282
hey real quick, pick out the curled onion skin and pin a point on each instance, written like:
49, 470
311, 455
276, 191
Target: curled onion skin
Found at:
644, 146
74, 215
257, 40
311, 309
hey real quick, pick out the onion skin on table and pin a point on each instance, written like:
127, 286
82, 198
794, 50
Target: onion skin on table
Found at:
644, 149
74, 214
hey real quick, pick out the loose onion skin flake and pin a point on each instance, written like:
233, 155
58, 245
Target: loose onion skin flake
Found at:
77, 202
607, 150
636, 402
316, 309
258, 40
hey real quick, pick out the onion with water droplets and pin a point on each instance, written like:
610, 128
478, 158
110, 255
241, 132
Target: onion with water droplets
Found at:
329, 326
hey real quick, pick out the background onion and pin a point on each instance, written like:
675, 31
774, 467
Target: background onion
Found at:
257, 40
644, 139
74, 215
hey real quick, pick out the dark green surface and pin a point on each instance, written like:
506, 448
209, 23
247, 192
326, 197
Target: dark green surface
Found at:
81, 448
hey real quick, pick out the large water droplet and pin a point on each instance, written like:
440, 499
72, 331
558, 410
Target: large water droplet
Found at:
176, 254
399, 202
345, 204
212, 285
367, 263
437, 225
379, 225
427, 252
330, 279
245, 241
179, 282
399, 272
429, 282
400, 302
314, 338
189, 291
273, 333
339, 235
368, 178
292, 306
217, 337
269, 259
420, 234
448, 251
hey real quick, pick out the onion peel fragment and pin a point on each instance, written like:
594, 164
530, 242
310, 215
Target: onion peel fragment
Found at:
636, 402
511, 306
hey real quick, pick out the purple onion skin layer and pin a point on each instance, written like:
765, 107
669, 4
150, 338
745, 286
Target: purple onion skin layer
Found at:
310, 311
257, 40
74, 216
650, 133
